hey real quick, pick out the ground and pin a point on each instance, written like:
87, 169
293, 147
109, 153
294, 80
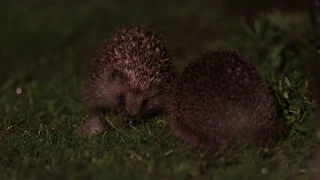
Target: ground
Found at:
45, 51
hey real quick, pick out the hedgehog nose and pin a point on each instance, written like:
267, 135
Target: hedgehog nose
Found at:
131, 120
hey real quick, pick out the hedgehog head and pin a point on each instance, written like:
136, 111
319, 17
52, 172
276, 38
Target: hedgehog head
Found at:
132, 73
134, 101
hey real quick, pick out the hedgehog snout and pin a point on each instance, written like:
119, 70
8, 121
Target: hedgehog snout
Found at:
131, 120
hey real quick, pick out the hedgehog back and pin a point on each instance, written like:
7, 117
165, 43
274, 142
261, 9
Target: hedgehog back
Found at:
140, 53
221, 98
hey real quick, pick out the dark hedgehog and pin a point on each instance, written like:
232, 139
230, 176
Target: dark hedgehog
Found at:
132, 73
221, 98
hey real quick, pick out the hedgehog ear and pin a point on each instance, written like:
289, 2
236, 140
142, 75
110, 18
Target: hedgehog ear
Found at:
116, 75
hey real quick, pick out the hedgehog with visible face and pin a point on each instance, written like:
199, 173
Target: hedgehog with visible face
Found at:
131, 73
221, 99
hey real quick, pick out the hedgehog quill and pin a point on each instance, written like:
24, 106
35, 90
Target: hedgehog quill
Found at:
131, 73
221, 98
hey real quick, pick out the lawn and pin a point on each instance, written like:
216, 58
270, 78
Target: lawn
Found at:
45, 50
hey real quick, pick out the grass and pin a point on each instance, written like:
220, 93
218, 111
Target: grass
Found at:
45, 50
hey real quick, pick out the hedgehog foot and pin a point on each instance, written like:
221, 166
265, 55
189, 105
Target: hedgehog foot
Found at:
91, 127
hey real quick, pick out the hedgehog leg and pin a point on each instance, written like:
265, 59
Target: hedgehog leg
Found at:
93, 126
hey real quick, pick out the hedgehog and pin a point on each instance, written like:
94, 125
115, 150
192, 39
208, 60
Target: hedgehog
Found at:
131, 74
221, 99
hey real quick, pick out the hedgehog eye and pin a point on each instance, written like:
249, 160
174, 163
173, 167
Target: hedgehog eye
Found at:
116, 75
121, 100
121, 97
144, 103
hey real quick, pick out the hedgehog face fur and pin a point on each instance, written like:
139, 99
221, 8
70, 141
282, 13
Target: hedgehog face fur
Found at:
132, 73
221, 98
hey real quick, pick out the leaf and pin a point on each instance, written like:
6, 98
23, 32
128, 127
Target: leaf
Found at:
248, 31
8, 84
301, 127
286, 80
257, 29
